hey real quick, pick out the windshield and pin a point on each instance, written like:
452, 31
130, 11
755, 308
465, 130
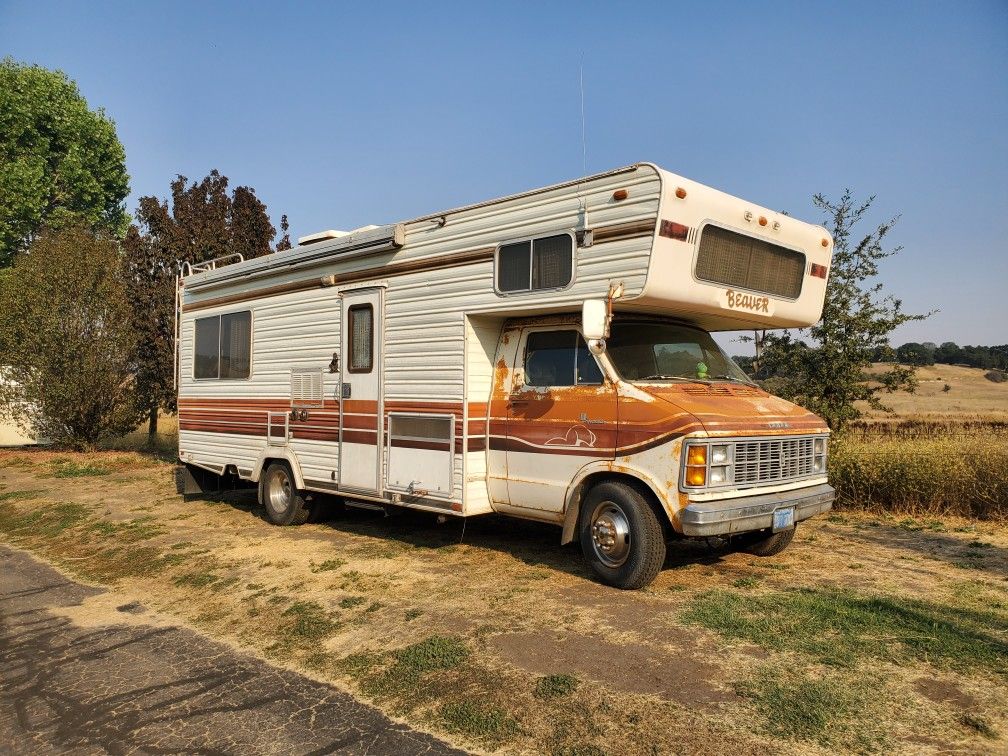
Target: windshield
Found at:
644, 350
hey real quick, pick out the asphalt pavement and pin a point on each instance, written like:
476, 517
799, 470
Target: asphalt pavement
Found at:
86, 688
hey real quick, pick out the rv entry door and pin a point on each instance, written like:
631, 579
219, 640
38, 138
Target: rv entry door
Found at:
361, 396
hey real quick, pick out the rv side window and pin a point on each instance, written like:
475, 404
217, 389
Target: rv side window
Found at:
544, 263
361, 338
223, 346
559, 358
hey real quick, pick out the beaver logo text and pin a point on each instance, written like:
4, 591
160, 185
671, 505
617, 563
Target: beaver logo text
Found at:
739, 301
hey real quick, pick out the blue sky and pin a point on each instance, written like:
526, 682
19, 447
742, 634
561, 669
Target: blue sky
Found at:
346, 114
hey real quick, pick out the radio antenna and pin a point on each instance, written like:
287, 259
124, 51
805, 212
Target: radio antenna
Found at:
584, 143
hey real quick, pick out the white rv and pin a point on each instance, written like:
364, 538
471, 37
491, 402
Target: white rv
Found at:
545, 355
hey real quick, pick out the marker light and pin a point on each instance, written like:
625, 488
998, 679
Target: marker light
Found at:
825, 242
819, 271
762, 221
680, 193
697, 455
620, 194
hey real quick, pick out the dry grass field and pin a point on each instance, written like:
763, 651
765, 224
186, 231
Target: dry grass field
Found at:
872, 633
970, 396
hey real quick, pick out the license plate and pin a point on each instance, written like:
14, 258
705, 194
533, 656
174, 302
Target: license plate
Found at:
783, 519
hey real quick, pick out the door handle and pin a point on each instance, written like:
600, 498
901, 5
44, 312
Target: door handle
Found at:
517, 402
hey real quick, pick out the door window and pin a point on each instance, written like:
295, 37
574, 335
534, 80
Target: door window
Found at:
361, 334
559, 358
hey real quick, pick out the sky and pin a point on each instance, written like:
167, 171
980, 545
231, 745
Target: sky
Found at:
344, 114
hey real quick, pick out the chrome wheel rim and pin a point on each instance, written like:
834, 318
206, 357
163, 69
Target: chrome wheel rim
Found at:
610, 532
279, 491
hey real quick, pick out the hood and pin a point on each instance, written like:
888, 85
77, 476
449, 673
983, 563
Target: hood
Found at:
734, 409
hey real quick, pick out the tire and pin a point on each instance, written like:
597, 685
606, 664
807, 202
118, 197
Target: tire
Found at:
278, 495
764, 543
621, 536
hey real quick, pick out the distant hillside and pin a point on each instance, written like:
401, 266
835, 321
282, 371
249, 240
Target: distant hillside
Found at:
969, 394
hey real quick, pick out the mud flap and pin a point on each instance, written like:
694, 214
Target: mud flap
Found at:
196, 483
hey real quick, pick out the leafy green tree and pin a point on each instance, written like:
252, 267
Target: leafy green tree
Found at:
202, 222
60, 162
69, 340
828, 375
916, 354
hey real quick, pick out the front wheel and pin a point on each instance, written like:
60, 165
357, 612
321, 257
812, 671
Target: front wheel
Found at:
621, 536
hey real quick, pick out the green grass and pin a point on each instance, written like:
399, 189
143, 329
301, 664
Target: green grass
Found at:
198, 579
47, 520
435, 652
829, 709
69, 469
479, 721
555, 686
351, 601
841, 627
18, 495
308, 621
328, 565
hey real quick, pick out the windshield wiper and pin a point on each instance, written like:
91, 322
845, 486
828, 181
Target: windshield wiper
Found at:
732, 378
660, 377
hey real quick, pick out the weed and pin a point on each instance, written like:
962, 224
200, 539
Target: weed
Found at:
479, 721
69, 469
412, 614
555, 686
309, 621
200, 579
839, 627
746, 582
351, 601
979, 724
18, 495
435, 652
328, 565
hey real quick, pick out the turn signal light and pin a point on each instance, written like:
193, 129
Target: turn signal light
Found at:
696, 476
697, 456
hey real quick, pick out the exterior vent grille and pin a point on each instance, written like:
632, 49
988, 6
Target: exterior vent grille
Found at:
773, 461
306, 387
732, 259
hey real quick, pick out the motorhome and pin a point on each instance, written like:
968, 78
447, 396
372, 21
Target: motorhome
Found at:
546, 355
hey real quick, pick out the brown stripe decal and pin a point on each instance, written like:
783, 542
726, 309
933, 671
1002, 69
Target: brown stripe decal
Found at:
621, 231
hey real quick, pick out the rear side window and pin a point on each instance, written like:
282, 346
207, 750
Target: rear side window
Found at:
361, 333
223, 348
559, 358
536, 264
733, 259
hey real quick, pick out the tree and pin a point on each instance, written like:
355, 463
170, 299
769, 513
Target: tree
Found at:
828, 376
202, 223
69, 340
60, 162
916, 354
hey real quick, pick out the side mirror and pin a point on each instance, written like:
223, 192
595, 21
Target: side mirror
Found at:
594, 319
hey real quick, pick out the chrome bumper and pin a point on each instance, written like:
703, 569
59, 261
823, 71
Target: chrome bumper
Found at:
728, 516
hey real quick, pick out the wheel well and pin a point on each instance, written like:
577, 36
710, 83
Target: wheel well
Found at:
592, 480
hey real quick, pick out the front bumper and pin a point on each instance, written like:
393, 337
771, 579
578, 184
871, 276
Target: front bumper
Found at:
731, 516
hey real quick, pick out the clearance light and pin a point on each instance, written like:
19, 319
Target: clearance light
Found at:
620, 194
673, 230
762, 221
819, 271
825, 242
680, 193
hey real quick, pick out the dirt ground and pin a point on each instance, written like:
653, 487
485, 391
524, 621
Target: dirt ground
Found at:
868, 634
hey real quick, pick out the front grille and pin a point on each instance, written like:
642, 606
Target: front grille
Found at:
772, 460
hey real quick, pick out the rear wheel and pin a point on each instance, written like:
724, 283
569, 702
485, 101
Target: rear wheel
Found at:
279, 496
764, 543
621, 536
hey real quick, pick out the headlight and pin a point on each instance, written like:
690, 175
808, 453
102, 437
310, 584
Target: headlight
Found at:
719, 454
820, 445
718, 475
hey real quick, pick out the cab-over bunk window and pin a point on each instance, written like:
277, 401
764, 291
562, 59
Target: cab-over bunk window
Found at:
535, 264
223, 346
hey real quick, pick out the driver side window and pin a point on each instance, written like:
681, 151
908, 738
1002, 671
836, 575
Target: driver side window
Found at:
559, 358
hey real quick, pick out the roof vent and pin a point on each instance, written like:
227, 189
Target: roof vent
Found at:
321, 236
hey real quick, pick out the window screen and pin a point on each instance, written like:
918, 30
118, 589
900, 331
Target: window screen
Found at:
207, 347
361, 332
559, 358
545, 263
224, 346
734, 259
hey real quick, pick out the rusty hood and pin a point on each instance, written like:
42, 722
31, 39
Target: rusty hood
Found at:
734, 409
